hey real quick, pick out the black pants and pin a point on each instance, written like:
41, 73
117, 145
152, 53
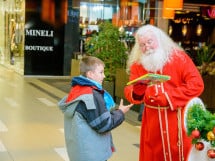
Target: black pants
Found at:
140, 112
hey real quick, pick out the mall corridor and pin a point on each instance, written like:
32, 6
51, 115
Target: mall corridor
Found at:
31, 125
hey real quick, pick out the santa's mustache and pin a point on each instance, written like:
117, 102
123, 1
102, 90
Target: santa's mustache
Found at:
148, 52
153, 60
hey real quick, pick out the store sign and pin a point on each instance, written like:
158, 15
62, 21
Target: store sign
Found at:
184, 20
39, 36
208, 11
38, 33
44, 37
211, 12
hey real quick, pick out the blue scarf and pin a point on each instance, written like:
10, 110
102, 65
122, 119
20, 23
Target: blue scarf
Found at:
81, 80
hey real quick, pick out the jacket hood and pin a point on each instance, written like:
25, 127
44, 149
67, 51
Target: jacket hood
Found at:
68, 108
65, 107
83, 81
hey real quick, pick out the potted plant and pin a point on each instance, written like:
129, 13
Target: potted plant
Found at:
206, 60
206, 65
107, 46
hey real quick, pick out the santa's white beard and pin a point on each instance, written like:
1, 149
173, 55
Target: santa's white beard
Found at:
154, 60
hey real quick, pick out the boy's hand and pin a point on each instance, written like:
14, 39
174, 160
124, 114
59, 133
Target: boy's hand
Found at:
124, 108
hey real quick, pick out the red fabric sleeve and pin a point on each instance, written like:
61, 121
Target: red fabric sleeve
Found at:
185, 84
136, 71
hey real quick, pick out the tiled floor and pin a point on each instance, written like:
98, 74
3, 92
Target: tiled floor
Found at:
31, 125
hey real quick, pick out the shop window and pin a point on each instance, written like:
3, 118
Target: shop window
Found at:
93, 12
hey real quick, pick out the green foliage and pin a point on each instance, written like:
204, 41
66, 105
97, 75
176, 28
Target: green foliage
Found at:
205, 54
108, 47
201, 119
206, 60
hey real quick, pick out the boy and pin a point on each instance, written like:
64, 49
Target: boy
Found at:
87, 116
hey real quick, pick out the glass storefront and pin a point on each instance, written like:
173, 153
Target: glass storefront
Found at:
12, 12
96, 11
91, 13
70, 20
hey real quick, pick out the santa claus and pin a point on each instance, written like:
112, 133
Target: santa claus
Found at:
163, 135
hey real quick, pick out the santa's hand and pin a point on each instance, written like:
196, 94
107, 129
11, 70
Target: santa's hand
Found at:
139, 88
158, 100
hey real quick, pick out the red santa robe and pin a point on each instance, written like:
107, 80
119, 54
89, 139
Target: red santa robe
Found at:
163, 136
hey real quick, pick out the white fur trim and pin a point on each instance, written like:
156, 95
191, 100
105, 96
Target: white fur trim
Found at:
196, 155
